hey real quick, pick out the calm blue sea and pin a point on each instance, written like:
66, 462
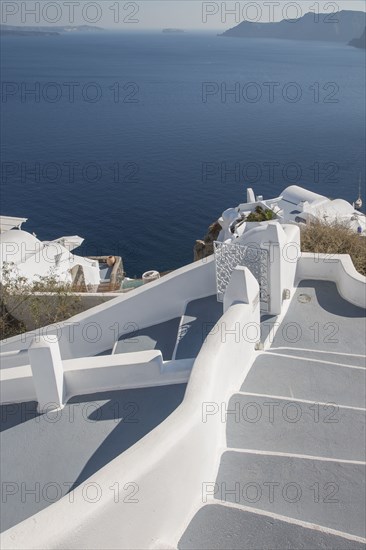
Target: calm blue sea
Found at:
135, 142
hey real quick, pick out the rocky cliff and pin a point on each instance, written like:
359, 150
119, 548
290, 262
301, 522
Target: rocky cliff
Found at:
359, 42
204, 248
341, 26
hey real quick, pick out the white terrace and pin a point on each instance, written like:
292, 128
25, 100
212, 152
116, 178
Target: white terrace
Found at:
221, 406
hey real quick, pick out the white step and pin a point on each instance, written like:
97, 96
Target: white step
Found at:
296, 427
329, 356
286, 376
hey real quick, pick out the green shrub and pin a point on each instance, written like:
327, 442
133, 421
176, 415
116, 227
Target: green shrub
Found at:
260, 215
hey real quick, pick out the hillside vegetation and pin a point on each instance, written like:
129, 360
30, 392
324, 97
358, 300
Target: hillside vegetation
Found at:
335, 238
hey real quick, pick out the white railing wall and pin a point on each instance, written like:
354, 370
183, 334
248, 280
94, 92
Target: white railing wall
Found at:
338, 268
96, 330
17, 385
52, 382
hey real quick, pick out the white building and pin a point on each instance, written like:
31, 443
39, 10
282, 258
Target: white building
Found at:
294, 205
25, 256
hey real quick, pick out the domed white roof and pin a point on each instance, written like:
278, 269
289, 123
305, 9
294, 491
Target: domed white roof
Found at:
296, 194
342, 206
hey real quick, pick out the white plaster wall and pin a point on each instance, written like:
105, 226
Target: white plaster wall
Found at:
17, 385
281, 241
290, 254
122, 371
94, 374
96, 330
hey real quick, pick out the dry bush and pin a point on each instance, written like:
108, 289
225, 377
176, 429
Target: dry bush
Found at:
335, 238
27, 306
9, 326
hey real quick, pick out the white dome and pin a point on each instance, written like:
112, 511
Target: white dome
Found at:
342, 206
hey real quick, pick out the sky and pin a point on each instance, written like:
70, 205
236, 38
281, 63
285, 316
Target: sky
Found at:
157, 14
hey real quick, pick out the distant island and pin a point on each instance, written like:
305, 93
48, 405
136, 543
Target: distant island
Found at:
45, 31
359, 42
342, 26
20, 32
172, 30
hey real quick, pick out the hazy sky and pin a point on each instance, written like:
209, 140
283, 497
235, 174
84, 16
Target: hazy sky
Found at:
157, 14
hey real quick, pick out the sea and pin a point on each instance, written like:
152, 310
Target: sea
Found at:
139, 141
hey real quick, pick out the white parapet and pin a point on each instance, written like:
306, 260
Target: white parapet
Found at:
47, 373
338, 268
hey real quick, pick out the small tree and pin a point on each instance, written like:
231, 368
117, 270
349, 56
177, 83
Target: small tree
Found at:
30, 305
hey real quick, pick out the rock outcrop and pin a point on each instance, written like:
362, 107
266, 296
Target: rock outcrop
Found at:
204, 248
359, 42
